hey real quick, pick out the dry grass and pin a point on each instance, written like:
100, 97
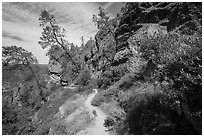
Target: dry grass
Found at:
71, 123
98, 99
50, 108
108, 107
106, 96
64, 115
79, 123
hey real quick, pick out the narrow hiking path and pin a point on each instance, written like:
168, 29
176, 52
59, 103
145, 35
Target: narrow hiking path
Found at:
97, 127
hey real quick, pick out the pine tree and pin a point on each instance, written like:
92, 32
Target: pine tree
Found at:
54, 36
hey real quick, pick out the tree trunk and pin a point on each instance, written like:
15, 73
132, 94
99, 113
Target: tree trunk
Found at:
63, 47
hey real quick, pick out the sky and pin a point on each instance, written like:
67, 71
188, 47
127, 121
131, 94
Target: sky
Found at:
20, 25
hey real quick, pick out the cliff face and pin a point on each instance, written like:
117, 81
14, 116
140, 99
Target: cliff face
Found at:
103, 50
137, 19
173, 15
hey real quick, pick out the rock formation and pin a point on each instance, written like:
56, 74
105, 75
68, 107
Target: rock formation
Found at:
137, 19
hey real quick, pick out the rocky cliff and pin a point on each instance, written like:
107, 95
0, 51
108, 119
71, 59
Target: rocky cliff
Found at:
138, 19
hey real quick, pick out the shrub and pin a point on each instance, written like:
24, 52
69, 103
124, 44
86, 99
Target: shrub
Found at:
83, 78
53, 87
124, 83
111, 75
147, 113
151, 115
105, 80
98, 99
105, 95
92, 83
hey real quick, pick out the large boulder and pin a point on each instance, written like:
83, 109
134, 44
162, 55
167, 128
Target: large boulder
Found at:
55, 68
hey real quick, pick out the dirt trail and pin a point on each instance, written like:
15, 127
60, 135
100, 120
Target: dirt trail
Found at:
97, 128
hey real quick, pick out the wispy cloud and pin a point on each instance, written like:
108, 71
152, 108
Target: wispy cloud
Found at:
7, 35
20, 22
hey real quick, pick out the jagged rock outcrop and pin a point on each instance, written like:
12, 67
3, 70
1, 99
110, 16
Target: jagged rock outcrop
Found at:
89, 50
55, 68
174, 16
103, 51
137, 19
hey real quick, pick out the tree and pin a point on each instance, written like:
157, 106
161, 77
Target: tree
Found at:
54, 36
82, 41
13, 57
102, 19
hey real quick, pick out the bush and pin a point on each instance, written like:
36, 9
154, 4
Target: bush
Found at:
98, 99
152, 116
124, 83
111, 75
147, 112
105, 80
105, 95
93, 83
53, 87
83, 78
